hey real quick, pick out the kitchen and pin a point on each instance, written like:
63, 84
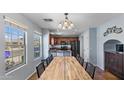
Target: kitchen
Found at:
64, 46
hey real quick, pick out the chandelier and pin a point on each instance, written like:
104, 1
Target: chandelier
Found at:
66, 24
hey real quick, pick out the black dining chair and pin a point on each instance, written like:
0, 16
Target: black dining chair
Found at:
90, 68
84, 65
81, 61
45, 63
77, 57
48, 60
51, 58
40, 69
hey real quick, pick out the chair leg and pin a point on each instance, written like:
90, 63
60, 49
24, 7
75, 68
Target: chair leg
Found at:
86, 65
94, 73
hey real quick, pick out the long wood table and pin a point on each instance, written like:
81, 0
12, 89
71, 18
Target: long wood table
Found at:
65, 68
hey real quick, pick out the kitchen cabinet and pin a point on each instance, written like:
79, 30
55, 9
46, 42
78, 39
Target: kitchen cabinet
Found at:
114, 63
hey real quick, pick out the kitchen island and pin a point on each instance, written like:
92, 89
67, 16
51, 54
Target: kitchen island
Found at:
61, 50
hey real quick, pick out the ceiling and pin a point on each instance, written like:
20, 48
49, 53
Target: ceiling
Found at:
82, 21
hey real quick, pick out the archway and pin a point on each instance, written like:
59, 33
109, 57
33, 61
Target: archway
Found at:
113, 56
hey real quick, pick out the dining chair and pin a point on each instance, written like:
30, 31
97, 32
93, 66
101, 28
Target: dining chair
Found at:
90, 68
84, 65
78, 57
47, 61
40, 69
51, 58
81, 60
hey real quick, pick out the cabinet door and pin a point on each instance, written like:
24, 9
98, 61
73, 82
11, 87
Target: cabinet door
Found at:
119, 63
106, 60
111, 62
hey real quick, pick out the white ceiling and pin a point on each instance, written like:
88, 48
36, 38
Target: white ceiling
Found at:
82, 21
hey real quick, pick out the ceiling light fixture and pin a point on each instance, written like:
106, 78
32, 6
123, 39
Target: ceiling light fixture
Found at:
66, 24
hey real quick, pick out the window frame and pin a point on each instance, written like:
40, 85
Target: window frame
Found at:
40, 35
21, 64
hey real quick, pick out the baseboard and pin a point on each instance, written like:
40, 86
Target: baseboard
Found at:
30, 75
100, 67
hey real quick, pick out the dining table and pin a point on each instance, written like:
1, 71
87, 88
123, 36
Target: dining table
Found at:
65, 68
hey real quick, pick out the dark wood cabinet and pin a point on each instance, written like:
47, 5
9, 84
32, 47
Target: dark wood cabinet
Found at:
58, 40
114, 63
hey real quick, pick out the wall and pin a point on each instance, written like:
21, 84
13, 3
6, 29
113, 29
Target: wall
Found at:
119, 22
93, 45
81, 39
90, 44
27, 69
45, 43
86, 45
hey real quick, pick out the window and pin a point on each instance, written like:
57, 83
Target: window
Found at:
15, 49
37, 45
